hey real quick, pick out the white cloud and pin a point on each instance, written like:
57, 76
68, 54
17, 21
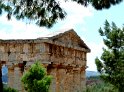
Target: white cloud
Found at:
76, 13
20, 30
14, 29
96, 51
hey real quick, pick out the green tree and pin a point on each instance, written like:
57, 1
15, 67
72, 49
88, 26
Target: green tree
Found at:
111, 63
45, 12
36, 79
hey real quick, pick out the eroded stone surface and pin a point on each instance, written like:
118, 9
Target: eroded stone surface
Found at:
64, 56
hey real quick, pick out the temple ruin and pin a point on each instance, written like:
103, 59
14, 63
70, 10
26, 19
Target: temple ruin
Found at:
64, 54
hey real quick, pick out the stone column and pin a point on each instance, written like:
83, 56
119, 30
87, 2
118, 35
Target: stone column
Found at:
83, 78
68, 82
17, 79
53, 84
60, 79
76, 80
57, 80
83, 81
14, 77
11, 76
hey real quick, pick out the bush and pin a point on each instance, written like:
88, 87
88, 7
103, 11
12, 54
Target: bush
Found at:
8, 89
96, 84
100, 87
36, 79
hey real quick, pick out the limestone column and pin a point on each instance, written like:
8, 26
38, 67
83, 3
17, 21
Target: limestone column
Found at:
57, 80
68, 80
61, 79
76, 81
83, 81
11, 76
83, 78
17, 79
53, 83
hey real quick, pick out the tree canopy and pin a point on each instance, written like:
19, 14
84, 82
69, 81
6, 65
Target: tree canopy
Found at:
36, 79
104, 4
111, 63
46, 12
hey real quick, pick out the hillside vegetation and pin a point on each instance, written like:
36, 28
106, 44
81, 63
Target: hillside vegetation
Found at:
96, 84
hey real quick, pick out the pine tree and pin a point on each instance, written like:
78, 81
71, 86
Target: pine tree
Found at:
104, 4
36, 79
111, 63
46, 12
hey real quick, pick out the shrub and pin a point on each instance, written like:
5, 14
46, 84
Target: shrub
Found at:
8, 89
101, 87
96, 84
36, 79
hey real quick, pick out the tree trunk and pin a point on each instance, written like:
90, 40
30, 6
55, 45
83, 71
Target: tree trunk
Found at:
121, 89
1, 84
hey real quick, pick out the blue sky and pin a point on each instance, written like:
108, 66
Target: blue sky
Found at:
84, 20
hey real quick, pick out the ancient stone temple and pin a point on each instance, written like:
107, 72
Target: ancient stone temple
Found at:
62, 53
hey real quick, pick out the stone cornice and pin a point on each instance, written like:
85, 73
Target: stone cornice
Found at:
68, 46
81, 47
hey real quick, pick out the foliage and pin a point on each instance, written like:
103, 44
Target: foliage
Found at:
45, 12
8, 89
100, 87
36, 79
111, 65
104, 4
